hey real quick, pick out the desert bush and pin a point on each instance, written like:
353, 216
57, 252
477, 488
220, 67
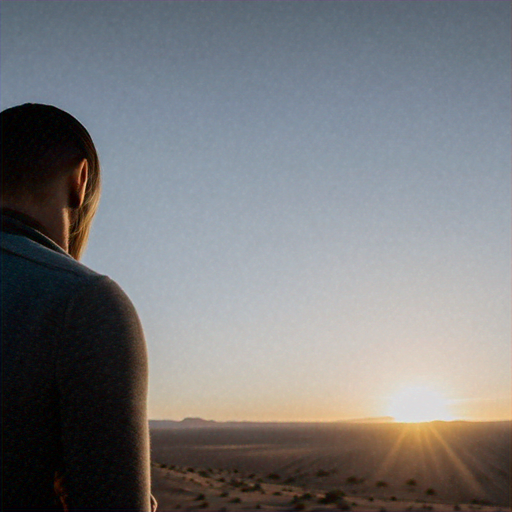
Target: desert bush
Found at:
203, 473
278, 493
299, 506
370, 498
381, 483
273, 476
204, 505
224, 494
352, 480
235, 500
332, 497
456, 508
235, 483
200, 497
430, 492
393, 498
411, 482
476, 501
343, 505
290, 480
322, 472
306, 496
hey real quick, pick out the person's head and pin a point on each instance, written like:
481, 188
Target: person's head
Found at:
40, 144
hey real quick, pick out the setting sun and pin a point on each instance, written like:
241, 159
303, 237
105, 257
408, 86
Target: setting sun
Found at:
417, 404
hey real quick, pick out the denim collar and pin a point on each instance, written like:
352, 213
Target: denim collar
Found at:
18, 223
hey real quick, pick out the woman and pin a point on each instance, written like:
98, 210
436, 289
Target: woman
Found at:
74, 362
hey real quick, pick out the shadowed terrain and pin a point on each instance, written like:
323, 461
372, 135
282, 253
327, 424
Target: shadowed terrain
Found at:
455, 462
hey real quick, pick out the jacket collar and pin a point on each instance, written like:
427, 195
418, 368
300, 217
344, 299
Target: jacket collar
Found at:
18, 223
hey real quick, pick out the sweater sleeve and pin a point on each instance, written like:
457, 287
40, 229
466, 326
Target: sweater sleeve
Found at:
102, 376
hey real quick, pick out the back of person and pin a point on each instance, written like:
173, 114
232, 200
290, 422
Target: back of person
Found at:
74, 365
36, 285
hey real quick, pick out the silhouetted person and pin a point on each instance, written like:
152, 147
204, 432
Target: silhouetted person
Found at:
74, 362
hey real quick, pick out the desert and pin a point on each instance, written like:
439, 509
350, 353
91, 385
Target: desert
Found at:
323, 466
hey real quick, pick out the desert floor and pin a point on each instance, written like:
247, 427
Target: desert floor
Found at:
438, 466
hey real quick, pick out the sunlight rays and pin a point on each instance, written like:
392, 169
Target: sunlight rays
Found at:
392, 455
433, 453
458, 463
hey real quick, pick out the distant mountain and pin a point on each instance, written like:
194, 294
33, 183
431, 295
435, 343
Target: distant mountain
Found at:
202, 423
184, 423
380, 419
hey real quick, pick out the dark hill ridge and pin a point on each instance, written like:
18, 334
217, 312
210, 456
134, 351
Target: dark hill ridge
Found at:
202, 423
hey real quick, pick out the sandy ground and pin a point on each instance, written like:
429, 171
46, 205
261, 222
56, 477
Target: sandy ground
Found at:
361, 467
189, 489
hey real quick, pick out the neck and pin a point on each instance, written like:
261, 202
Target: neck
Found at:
52, 220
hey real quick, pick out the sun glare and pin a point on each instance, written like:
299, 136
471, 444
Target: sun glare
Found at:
418, 404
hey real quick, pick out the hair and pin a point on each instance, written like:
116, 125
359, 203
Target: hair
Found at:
39, 144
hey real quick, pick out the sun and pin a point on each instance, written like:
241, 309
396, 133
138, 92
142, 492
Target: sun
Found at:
417, 404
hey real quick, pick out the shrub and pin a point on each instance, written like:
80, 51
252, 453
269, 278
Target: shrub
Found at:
224, 494
332, 497
204, 505
235, 483
430, 492
322, 473
235, 500
381, 483
343, 505
352, 480
299, 506
273, 476
200, 497
411, 482
393, 498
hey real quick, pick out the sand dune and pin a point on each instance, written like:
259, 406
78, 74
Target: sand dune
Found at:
400, 466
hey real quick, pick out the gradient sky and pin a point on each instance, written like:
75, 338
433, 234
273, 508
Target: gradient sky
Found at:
309, 203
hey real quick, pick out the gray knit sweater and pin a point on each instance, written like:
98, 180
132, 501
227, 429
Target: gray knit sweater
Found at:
74, 381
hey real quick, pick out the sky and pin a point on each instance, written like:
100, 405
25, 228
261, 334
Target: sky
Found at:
309, 203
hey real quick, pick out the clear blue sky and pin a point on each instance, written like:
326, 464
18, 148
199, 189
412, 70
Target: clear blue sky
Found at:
309, 203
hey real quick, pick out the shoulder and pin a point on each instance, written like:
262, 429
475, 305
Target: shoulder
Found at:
30, 256
39, 274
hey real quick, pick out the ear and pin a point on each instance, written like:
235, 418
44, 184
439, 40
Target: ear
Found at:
77, 184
